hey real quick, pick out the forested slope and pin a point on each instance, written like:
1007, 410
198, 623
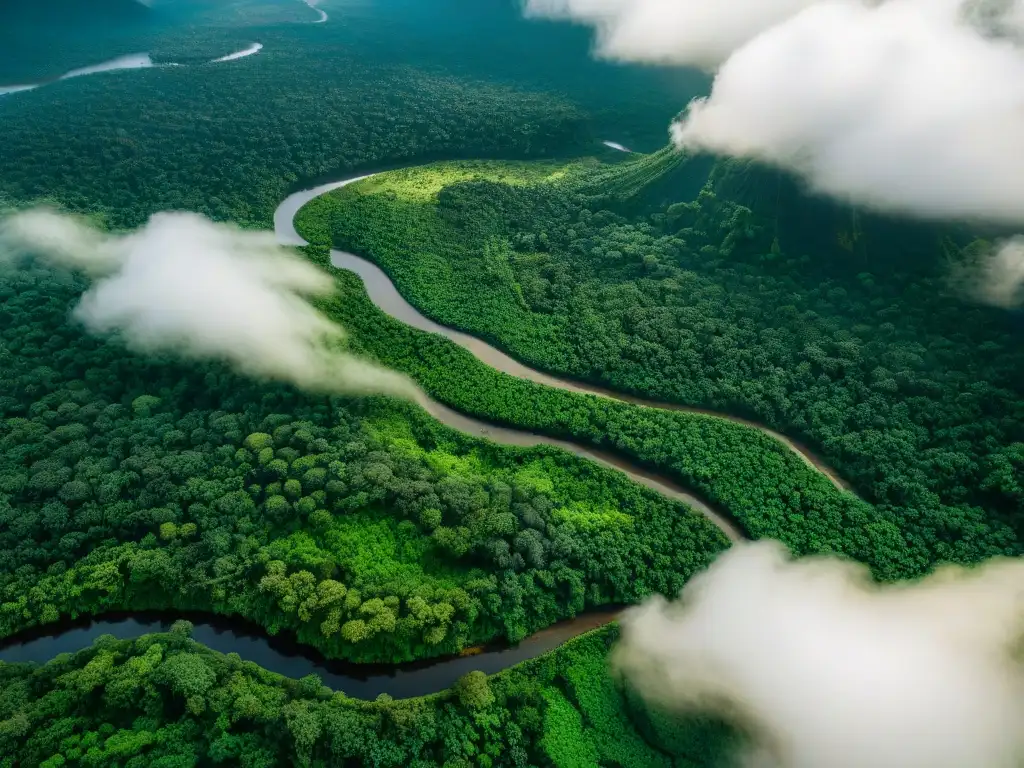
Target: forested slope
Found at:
909, 392
138, 142
382, 83
365, 529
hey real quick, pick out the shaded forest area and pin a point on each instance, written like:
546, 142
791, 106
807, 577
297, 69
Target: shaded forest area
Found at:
910, 393
379, 84
209, 138
767, 488
228, 140
42, 40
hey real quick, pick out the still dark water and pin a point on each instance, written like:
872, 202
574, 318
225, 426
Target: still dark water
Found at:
287, 657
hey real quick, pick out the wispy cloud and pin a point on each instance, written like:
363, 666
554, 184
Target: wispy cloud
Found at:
188, 286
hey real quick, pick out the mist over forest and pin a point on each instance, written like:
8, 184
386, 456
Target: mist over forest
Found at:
639, 380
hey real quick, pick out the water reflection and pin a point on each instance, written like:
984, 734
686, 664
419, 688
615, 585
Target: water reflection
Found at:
285, 656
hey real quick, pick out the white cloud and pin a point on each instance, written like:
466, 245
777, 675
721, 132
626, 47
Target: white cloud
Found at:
902, 107
694, 32
826, 668
185, 285
907, 106
994, 276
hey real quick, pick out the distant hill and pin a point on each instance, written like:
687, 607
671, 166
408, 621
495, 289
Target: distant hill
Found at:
40, 39
33, 13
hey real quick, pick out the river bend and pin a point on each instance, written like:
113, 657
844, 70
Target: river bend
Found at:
287, 657
385, 295
399, 681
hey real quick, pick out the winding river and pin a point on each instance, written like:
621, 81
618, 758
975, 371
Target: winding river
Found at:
322, 15
253, 48
143, 61
291, 659
399, 681
132, 61
385, 295
617, 147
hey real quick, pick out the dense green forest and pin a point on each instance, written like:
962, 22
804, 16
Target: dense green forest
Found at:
135, 151
376, 86
769, 490
911, 394
41, 41
44, 40
364, 526
164, 701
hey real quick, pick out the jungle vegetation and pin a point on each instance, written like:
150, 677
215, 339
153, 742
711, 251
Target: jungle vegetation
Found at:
361, 527
164, 701
382, 87
365, 528
587, 270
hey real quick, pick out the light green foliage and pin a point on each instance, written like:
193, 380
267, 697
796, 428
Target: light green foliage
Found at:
589, 517
554, 710
314, 478
257, 441
292, 488
474, 692
452, 541
430, 518
378, 550
609, 726
566, 743
276, 506
413, 523
186, 674
277, 468
534, 477
629, 287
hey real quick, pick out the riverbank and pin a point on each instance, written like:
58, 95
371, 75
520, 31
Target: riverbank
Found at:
285, 656
436, 675
385, 295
